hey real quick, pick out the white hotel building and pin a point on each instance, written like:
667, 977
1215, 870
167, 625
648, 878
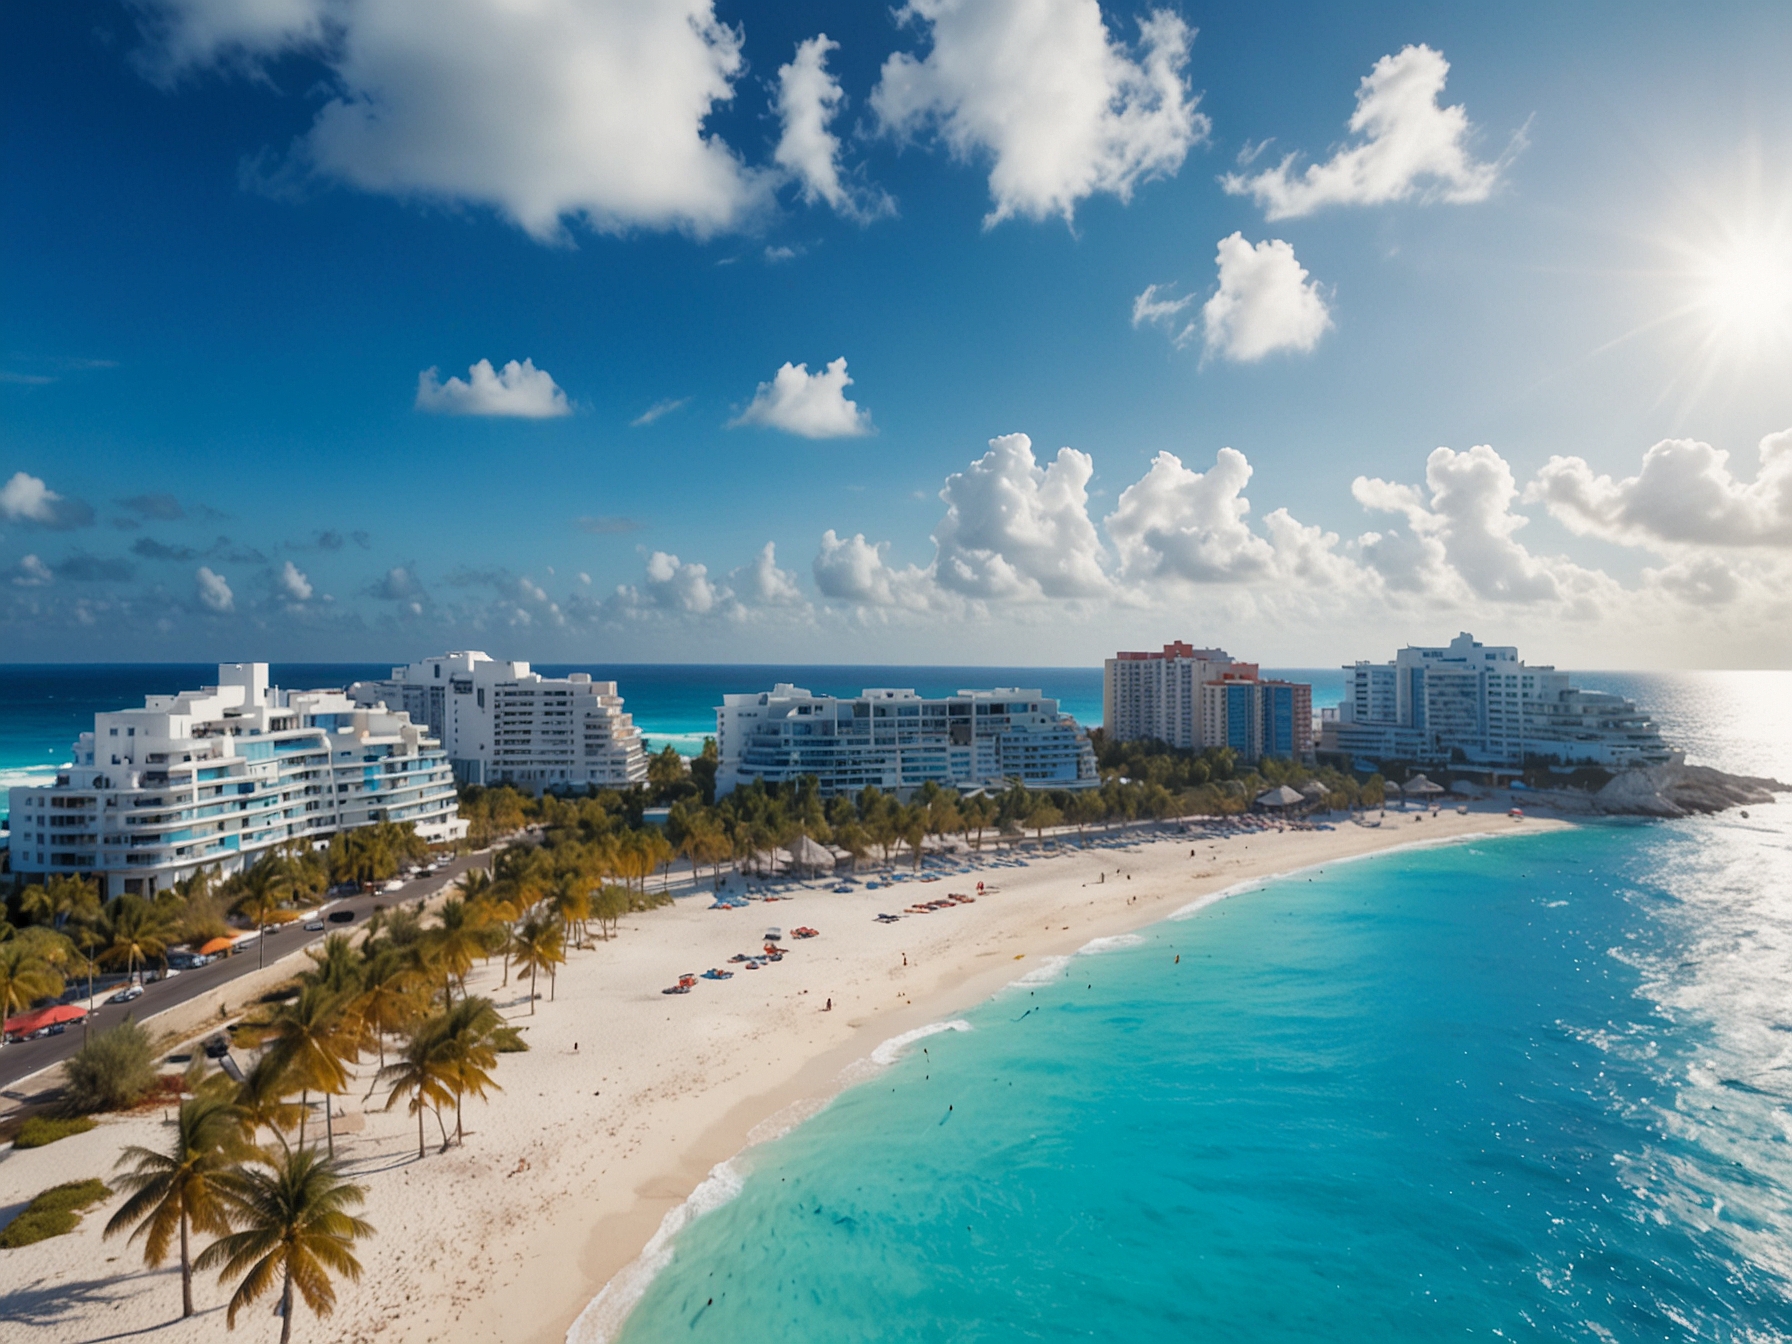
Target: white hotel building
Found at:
218, 776
500, 723
898, 740
1476, 704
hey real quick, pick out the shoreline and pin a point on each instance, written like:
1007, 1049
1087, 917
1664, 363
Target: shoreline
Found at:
827, 1076
574, 1179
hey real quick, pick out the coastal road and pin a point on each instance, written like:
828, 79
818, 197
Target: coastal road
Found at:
19, 1061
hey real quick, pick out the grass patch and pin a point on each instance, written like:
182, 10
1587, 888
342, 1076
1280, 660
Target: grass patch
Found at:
55, 1211
43, 1129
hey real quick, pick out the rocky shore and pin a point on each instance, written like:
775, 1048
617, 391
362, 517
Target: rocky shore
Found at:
1673, 790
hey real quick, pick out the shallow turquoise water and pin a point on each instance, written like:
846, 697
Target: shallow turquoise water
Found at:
1532, 1088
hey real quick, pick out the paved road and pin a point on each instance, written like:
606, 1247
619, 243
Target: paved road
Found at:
28, 1057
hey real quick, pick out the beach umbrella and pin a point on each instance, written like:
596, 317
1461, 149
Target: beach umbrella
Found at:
1313, 789
806, 853
38, 1018
1280, 796
1420, 785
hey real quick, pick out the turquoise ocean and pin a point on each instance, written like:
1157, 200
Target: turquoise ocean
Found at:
1536, 1087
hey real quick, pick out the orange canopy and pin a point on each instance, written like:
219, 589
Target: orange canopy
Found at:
215, 946
43, 1017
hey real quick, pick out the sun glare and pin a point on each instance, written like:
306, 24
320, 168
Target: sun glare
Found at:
1744, 292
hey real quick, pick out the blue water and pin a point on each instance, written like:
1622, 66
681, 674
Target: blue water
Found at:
1537, 1088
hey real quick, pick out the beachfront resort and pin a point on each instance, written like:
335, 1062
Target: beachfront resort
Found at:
1472, 704
897, 740
216, 777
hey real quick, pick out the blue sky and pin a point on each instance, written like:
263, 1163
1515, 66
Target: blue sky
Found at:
235, 236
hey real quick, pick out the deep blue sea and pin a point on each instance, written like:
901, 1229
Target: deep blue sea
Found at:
1531, 1088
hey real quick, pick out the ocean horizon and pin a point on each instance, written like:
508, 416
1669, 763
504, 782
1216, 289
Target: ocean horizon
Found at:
49, 704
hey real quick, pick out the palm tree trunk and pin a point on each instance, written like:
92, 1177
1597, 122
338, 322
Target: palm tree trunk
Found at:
459, 1134
330, 1124
304, 1112
186, 1271
286, 1309
419, 1128
531, 991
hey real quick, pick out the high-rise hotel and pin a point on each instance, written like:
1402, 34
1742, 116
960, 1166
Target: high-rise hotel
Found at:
1479, 704
898, 740
504, 724
1199, 698
219, 776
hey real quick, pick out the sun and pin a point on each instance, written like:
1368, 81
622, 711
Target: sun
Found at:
1742, 290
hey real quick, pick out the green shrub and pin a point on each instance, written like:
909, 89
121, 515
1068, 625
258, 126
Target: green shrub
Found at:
55, 1211
509, 1041
42, 1129
112, 1070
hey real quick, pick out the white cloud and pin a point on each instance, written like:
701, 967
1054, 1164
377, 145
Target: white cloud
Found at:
184, 34
1016, 530
813, 405
808, 98
658, 411
854, 570
1147, 307
1465, 533
214, 593
1264, 303
1041, 88
26, 499
549, 111
670, 584
1189, 525
293, 583
31, 572
1685, 494
1408, 144
762, 584
519, 390
398, 584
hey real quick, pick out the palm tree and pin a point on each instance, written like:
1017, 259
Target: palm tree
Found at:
27, 974
295, 1228
570, 900
466, 1038
389, 1000
261, 1100
313, 1041
135, 931
185, 1188
265, 885
456, 940
538, 940
336, 964
424, 1073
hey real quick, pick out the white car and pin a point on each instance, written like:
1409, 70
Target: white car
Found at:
127, 994
315, 926
395, 884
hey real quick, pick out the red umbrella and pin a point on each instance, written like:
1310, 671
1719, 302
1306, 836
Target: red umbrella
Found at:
26, 1023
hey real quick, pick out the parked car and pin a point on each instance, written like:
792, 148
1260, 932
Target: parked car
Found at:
394, 885
128, 994
314, 926
342, 916
217, 1047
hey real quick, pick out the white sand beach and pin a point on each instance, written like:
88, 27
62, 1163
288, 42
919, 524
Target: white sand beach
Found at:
628, 1098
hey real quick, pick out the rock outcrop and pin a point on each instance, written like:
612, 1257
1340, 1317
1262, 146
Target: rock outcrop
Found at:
1679, 790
